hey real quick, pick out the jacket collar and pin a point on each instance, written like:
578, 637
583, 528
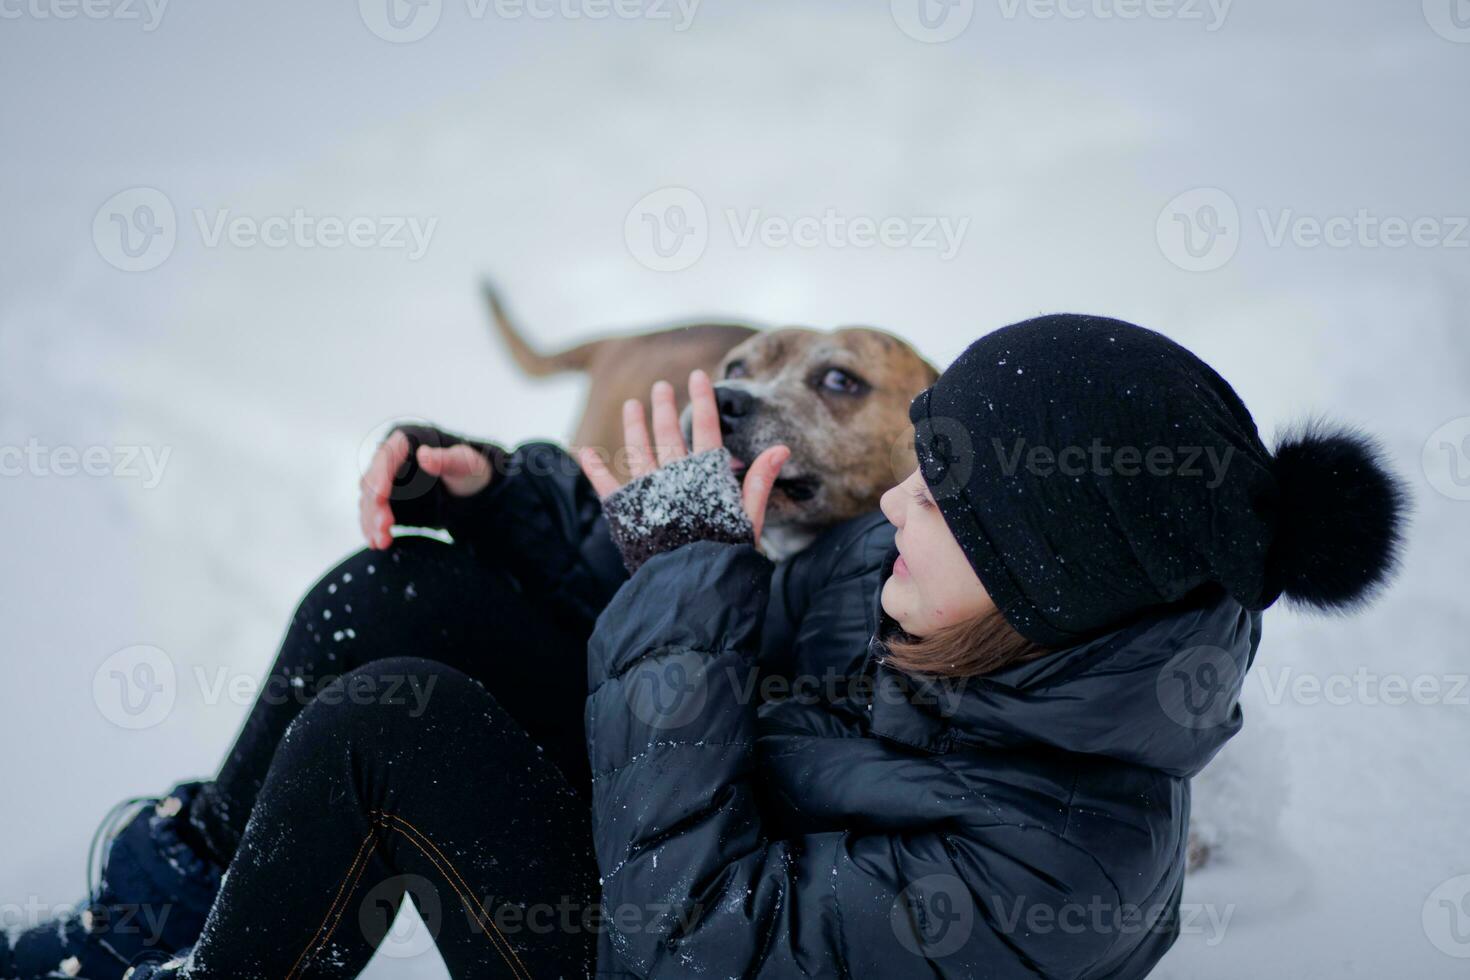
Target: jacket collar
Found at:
898, 711
1161, 691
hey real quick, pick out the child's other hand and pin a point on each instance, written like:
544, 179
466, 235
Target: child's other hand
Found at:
463, 470
760, 475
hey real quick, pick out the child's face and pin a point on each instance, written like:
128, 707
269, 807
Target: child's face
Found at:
932, 584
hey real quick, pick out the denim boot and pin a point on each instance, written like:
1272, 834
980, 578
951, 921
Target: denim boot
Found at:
155, 887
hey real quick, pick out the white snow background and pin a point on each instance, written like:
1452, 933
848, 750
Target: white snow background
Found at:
261, 371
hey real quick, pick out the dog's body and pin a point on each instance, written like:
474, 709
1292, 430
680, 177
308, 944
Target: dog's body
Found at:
838, 400
621, 367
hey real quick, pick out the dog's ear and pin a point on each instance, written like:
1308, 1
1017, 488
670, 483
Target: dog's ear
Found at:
930, 371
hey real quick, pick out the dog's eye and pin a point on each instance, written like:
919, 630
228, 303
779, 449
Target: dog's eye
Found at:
839, 381
736, 369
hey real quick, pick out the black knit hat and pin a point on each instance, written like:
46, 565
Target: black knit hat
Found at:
1092, 469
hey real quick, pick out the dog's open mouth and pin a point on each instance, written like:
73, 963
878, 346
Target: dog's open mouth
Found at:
796, 488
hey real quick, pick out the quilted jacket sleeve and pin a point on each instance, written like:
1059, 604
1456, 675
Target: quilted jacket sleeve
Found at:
539, 514
692, 883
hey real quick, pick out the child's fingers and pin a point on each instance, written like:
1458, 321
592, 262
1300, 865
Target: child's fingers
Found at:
464, 469
375, 514
367, 521
668, 441
376, 520
706, 413
460, 460
760, 478
378, 480
635, 439
433, 460
602, 480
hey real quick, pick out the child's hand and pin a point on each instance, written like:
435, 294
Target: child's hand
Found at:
760, 475
463, 470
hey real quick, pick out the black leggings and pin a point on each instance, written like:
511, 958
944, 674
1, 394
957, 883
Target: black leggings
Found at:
421, 734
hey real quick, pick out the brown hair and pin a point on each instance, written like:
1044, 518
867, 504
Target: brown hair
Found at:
976, 646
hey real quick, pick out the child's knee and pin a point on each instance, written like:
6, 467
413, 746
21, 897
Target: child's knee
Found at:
369, 600
366, 574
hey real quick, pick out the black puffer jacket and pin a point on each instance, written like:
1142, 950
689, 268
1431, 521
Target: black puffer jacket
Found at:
771, 801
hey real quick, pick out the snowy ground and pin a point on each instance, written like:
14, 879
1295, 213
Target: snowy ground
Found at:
261, 371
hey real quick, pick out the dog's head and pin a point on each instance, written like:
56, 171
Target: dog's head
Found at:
840, 402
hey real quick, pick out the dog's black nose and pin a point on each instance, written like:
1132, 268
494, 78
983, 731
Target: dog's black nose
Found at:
734, 405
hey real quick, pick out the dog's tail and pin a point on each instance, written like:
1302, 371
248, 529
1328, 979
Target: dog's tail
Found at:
528, 358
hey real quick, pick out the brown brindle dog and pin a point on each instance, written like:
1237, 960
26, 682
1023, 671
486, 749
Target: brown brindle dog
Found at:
839, 400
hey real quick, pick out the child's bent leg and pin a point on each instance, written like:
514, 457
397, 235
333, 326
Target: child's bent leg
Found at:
436, 601
407, 776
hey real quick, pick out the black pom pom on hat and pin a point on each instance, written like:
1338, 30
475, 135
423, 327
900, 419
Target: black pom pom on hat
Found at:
1340, 518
